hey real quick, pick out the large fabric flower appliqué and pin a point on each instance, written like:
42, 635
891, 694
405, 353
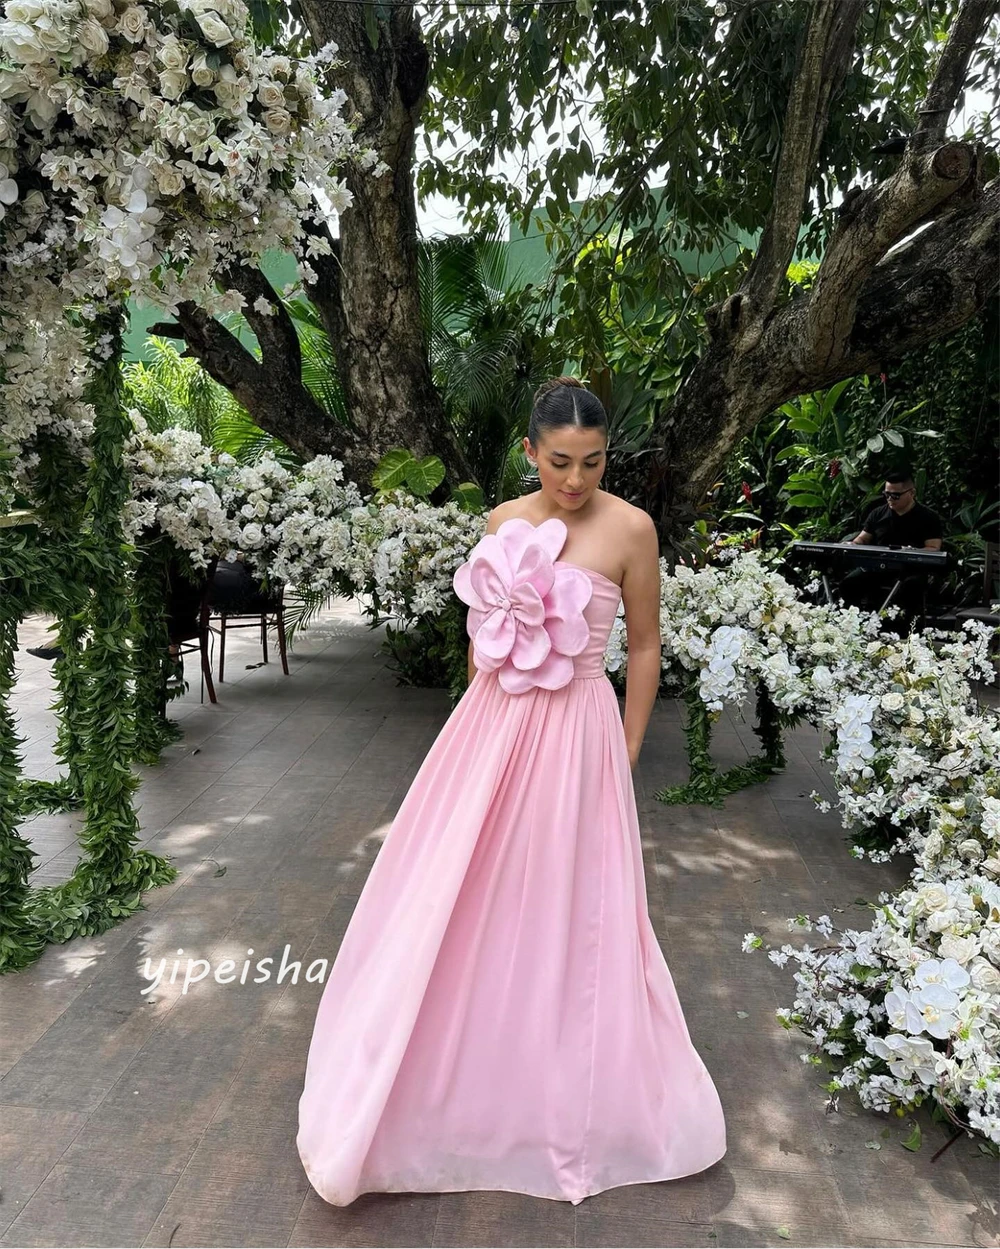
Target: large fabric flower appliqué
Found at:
525, 615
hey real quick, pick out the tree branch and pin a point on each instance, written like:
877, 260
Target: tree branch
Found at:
275, 332
949, 79
325, 292
926, 289
270, 389
823, 61
929, 287
871, 222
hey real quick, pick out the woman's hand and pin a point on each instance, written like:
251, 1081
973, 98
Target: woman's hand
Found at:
633, 756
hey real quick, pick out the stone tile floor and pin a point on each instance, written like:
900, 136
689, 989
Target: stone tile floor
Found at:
165, 1118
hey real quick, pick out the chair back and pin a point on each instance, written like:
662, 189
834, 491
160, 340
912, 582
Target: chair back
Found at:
235, 591
186, 601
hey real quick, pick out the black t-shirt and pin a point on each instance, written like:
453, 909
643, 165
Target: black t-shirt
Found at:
913, 528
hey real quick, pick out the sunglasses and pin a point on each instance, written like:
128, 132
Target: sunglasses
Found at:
896, 494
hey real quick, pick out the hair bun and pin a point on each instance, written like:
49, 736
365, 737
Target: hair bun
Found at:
553, 382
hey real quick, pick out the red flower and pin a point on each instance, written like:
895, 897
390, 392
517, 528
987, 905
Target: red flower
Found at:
745, 490
883, 378
834, 468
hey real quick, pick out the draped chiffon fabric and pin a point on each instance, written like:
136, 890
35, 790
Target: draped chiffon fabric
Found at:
500, 1014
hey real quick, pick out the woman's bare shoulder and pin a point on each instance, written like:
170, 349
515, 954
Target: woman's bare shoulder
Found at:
504, 511
629, 520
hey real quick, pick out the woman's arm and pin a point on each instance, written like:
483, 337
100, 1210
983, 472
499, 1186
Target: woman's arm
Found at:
641, 596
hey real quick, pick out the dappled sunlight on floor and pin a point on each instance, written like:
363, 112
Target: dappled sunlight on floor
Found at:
273, 808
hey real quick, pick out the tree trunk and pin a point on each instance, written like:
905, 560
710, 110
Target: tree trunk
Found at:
368, 293
933, 285
875, 296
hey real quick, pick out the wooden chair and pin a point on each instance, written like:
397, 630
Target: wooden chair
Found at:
188, 614
239, 601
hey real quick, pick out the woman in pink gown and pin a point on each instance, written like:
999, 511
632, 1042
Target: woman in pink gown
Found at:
500, 1014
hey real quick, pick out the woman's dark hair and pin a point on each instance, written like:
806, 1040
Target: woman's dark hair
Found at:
565, 401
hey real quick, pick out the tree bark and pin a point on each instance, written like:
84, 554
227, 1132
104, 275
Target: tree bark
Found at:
368, 293
929, 287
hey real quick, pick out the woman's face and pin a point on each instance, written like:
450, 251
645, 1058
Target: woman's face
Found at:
571, 463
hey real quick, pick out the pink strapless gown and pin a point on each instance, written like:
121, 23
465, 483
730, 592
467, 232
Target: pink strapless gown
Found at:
500, 1014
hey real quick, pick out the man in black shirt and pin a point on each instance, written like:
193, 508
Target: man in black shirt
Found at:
899, 521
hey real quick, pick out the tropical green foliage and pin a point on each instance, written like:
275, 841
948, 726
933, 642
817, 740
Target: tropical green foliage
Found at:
173, 389
674, 88
813, 469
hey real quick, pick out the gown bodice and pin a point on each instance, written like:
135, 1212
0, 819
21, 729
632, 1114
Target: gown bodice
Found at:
600, 615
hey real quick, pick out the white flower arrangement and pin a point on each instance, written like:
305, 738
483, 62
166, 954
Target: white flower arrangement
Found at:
174, 488
162, 148
911, 1007
288, 526
404, 552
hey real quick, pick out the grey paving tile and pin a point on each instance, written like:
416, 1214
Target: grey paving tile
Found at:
85, 1206
385, 1219
499, 1218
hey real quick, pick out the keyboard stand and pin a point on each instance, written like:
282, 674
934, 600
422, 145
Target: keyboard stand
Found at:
891, 596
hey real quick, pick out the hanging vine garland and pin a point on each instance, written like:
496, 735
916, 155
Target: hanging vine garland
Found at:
706, 785
86, 582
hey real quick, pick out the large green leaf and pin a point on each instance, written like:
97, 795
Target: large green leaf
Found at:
423, 476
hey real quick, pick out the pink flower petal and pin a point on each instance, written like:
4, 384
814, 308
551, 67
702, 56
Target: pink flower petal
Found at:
535, 570
556, 672
497, 635
517, 534
528, 605
565, 622
531, 647
525, 615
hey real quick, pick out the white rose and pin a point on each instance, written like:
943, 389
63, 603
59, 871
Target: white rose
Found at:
173, 85
991, 866
202, 74
230, 90
270, 95
970, 849
984, 976
170, 180
26, 11
132, 24
933, 845
215, 29
92, 36
934, 897
961, 949
34, 204
101, 10
242, 61
893, 702
278, 120
172, 54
